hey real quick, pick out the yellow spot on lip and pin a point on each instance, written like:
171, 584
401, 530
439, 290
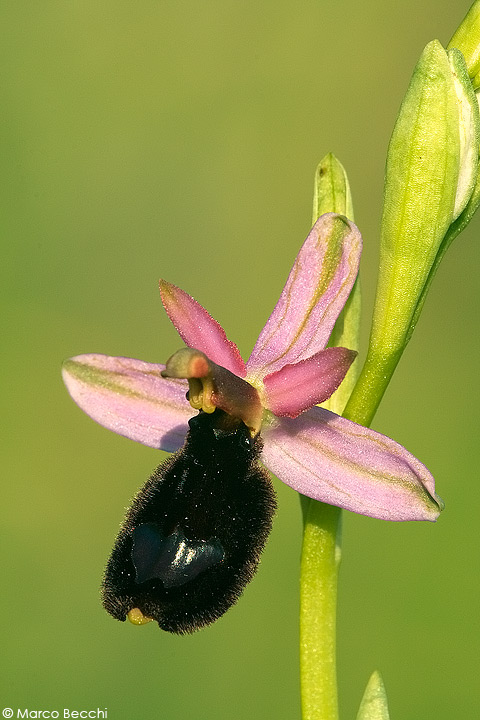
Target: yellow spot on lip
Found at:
136, 617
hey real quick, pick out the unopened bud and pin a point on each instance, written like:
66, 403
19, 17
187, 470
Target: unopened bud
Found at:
467, 39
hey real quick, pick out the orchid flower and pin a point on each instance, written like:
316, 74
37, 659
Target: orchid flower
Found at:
275, 393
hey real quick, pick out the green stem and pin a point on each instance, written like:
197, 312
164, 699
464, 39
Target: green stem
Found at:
370, 387
318, 604
322, 523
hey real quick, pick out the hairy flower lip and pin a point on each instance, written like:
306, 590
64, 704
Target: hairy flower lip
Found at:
318, 453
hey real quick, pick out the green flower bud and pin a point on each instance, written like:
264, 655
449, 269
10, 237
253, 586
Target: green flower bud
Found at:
469, 130
468, 187
467, 40
422, 174
431, 176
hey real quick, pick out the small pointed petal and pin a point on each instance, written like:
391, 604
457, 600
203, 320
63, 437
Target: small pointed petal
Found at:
199, 330
334, 460
316, 290
300, 386
131, 398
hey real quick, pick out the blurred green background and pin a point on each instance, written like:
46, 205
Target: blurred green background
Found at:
179, 140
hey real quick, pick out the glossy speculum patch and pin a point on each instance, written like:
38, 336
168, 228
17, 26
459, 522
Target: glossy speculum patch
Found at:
193, 536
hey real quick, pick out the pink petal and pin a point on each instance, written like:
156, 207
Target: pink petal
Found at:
315, 292
131, 398
199, 330
334, 460
297, 387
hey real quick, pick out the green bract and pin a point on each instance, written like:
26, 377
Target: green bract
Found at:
374, 704
332, 194
331, 191
431, 175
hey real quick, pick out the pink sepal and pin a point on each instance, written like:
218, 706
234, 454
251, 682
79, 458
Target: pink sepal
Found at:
131, 398
316, 291
334, 460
